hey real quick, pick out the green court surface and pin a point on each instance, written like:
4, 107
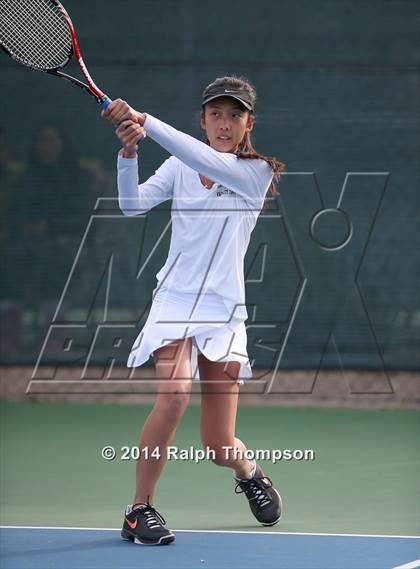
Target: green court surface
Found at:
363, 480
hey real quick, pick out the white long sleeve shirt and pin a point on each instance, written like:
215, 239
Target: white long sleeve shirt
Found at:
211, 228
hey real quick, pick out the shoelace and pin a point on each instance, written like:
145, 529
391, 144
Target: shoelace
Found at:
254, 489
153, 518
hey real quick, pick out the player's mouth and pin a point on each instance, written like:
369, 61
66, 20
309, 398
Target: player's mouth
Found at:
224, 138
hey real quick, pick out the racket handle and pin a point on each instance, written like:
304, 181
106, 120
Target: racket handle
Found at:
104, 102
142, 138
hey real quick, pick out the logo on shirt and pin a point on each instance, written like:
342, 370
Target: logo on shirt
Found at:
224, 191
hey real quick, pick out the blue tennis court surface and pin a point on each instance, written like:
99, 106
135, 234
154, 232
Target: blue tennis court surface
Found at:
75, 548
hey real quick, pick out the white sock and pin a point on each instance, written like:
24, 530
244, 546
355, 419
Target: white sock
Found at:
138, 507
251, 474
254, 469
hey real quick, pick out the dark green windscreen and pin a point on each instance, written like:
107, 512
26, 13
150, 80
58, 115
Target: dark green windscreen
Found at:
338, 103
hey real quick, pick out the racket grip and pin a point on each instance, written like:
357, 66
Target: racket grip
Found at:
104, 102
142, 138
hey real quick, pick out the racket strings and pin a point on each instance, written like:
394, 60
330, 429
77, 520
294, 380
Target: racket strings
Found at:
35, 33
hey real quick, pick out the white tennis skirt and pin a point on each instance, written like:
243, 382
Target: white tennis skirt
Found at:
175, 315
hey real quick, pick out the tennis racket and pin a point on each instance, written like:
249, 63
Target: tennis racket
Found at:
39, 34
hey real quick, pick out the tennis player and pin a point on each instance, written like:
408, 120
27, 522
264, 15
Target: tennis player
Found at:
195, 328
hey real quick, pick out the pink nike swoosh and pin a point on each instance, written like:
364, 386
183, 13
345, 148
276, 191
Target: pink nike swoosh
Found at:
131, 524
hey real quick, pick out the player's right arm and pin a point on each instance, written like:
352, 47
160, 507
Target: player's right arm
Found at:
129, 133
135, 198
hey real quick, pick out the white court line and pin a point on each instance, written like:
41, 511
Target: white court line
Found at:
227, 531
411, 565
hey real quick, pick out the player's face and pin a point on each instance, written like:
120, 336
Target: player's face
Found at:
225, 121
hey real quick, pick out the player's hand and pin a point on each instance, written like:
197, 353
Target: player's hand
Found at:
119, 111
130, 132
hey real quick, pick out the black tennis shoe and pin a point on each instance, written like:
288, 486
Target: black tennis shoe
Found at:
143, 524
264, 500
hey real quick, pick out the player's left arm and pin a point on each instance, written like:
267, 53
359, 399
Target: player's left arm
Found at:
119, 111
249, 178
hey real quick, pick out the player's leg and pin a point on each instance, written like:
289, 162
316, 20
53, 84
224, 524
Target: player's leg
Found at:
142, 523
219, 401
173, 372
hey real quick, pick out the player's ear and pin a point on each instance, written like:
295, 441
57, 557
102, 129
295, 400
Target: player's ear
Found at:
250, 122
